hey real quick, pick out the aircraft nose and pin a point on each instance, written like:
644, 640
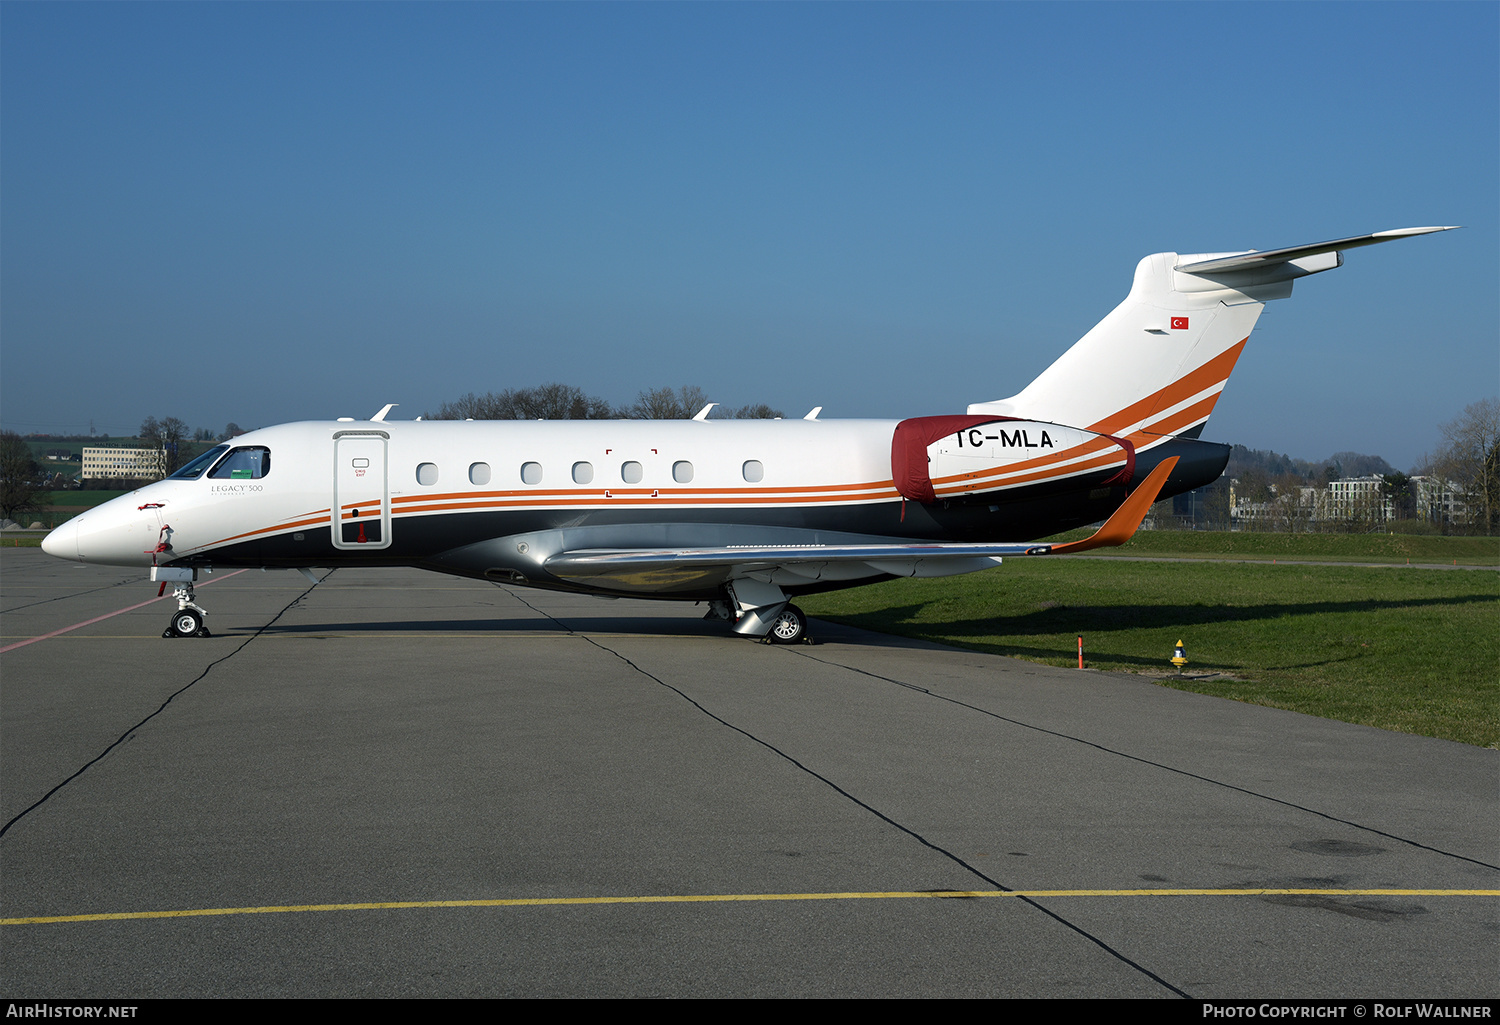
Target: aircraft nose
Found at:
63, 541
116, 533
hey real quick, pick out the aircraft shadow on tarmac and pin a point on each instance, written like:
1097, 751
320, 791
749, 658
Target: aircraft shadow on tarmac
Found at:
885, 626
1084, 619
658, 626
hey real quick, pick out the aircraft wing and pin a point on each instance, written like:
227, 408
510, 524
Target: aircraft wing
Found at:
752, 558
656, 568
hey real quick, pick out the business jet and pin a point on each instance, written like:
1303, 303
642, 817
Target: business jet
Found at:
742, 514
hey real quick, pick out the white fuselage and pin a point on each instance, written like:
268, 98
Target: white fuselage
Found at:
499, 499
425, 471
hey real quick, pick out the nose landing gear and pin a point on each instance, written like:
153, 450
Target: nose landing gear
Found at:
187, 621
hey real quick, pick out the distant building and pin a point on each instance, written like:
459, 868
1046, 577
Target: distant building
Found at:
123, 463
1360, 500
1298, 509
1440, 501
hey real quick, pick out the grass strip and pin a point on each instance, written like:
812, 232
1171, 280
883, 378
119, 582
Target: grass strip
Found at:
1412, 650
1389, 548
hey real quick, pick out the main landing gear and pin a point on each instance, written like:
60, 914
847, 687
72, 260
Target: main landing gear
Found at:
187, 621
760, 609
789, 627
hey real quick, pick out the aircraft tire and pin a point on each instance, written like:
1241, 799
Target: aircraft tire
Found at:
790, 627
187, 623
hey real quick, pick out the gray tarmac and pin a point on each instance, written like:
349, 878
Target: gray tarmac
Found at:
390, 736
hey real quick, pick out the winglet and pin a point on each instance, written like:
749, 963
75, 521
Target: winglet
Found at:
1126, 520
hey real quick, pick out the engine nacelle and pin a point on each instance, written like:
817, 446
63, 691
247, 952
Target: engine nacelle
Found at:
953, 457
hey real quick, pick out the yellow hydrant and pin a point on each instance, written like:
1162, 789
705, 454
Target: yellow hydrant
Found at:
1179, 657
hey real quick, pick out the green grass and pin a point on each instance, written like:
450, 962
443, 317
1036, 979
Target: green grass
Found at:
59, 506
85, 499
1392, 548
1401, 649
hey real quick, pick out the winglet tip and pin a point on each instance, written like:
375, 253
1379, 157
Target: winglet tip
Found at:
1126, 520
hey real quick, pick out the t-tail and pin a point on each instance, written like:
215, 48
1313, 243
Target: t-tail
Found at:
1151, 371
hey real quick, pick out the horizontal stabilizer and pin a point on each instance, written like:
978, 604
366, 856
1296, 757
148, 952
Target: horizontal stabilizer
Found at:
1254, 260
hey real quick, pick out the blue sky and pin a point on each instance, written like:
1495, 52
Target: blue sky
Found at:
271, 212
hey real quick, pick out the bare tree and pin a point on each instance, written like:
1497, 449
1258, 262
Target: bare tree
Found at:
667, 404
565, 402
166, 436
173, 433
1291, 505
544, 402
756, 411
20, 477
1471, 460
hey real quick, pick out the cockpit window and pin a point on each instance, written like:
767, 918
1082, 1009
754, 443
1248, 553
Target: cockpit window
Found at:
194, 470
250, 463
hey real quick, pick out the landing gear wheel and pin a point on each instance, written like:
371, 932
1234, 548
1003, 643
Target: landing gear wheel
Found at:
790, 627
186, 623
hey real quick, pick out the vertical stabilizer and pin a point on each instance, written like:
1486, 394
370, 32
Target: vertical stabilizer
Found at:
1155, 366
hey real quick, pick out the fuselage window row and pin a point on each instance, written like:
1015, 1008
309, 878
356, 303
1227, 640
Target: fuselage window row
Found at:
480, 474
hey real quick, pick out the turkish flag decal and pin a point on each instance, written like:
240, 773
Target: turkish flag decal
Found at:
1179, 323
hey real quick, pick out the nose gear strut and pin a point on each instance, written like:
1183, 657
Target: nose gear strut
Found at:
187, 621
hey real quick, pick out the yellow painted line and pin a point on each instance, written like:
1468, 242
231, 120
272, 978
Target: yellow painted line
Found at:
717, 898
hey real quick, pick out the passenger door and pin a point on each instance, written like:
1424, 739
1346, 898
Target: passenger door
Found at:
361, 514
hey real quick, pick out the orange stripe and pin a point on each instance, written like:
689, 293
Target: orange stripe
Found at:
1215, 371
566, 493
664, 500
1182, 418
264, 530
1062, 474
1083, 448
1067, 454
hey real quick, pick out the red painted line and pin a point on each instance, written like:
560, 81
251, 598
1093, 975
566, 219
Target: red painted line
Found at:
108, 615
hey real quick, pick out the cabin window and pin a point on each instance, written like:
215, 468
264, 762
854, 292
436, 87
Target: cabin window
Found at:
244, 464
630, 472
427, 474
531, 473
479, 473
682, 471
753, 471
583, 473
